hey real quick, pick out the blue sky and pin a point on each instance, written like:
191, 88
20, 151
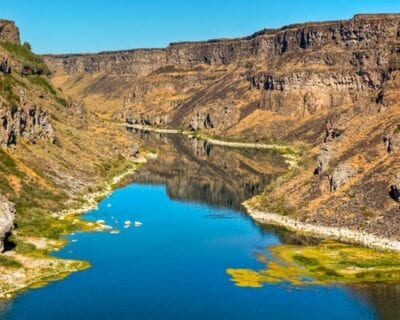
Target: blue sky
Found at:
64, 26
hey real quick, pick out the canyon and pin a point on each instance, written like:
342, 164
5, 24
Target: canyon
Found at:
329, 89
323, 94
278, 150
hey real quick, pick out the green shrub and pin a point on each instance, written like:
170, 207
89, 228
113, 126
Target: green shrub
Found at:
23, 247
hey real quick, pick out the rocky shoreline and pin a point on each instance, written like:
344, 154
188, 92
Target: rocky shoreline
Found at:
35, 270
333, 233
91, 200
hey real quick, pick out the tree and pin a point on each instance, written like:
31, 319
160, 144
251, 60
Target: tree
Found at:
27, 45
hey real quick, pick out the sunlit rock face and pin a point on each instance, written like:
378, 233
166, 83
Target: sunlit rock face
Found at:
296, 71
130, 62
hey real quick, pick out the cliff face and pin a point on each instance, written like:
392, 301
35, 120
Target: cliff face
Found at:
130, 62
19, 117
29, 122
293, 71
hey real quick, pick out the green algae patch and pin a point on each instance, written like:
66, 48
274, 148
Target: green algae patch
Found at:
323, 264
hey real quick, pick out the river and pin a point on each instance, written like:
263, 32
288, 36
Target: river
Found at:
174, 265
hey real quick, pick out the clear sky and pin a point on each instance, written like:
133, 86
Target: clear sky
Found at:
65, 26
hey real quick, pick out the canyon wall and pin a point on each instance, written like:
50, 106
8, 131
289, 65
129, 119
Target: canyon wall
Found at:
293, 71
132, 62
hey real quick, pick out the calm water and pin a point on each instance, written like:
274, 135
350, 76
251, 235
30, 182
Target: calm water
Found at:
174, 265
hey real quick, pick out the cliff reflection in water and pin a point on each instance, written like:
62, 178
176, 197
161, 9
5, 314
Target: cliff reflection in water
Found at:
194, 170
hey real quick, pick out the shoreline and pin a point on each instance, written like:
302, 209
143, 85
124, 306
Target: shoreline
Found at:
215, 141
341, 234
29, 277
334, 233
291, 154
92, 199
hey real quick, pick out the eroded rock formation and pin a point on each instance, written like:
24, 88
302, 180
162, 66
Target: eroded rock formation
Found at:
31, 123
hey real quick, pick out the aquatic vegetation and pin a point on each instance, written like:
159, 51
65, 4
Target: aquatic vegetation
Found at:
326, 263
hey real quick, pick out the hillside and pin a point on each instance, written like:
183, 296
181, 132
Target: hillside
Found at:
330, 89
53, 150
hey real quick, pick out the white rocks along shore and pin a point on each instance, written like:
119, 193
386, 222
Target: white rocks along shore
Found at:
334, 233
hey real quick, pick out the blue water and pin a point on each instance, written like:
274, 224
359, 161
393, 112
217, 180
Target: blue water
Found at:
174, 267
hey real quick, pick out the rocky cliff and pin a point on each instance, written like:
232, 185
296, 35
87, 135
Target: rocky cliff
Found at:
19, 116
131, 62
295, 71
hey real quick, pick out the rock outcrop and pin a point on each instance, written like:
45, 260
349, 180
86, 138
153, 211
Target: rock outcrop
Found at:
31, 123
9, 32
7, 216
340, 175
5, 64
392, 142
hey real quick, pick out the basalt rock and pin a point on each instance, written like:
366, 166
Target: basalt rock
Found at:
7, 216
392, 142
341, 175
5, 64
31, 123
324, 158
132, 62
201, 121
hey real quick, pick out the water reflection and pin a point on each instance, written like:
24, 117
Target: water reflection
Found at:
385, 298
196, 171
